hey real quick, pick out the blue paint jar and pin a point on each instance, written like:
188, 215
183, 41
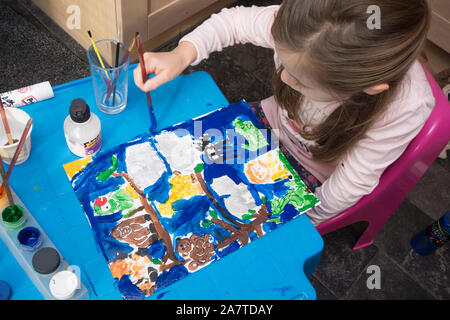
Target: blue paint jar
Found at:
29, 238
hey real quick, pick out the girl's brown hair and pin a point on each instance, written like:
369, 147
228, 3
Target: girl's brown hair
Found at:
346, 57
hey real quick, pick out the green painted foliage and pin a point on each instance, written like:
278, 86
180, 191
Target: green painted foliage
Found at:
105, 175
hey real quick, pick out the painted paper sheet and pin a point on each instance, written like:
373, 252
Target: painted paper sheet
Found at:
166, 205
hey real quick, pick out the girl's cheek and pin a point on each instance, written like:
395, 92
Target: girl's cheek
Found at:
287, 80
284, 77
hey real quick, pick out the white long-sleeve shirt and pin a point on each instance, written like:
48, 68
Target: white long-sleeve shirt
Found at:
359, 171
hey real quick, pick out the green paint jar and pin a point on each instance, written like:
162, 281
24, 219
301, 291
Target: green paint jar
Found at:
13, 217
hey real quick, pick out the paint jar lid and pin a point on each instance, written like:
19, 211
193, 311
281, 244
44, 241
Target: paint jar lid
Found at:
29, 238
46, 260
79, 111
64, 284
5, 291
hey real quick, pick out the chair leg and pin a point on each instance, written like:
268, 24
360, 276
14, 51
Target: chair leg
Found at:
364, 241
366, 238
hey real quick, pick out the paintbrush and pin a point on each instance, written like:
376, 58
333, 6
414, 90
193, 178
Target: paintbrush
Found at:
98, 53
117, 65
144, 78
127, 54
18, 150
6, 184
5, 123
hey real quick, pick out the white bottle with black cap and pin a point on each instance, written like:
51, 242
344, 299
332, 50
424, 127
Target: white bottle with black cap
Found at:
82, 130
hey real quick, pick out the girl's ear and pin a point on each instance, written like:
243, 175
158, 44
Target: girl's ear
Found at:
376, 89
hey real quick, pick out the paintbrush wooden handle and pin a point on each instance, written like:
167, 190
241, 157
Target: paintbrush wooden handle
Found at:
5, 123
141, 59
5, 183
117, 74
116, 77
145, 78
18, 150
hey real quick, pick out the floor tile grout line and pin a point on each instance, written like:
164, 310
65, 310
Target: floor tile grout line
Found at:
352, 283
408, 274
364, 270
325, 286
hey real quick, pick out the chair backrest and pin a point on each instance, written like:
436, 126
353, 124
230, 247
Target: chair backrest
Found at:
399, 178
427, 145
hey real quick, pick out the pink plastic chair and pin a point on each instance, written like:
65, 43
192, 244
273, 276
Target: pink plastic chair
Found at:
399, 178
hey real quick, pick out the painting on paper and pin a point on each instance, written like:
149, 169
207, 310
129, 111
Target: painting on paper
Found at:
166, 205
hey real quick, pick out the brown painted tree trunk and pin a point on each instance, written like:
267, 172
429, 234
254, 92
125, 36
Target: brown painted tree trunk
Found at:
162, 233
222, 211
242, 231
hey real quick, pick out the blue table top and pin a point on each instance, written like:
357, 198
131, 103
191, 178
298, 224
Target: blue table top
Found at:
275, 266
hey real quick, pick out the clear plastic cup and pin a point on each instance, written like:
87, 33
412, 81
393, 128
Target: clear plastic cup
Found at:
110, 83
17, 120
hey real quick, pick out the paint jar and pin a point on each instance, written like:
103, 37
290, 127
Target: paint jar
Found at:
13, 217
64, 285
46, 261
29, 238
17, 120
82, 130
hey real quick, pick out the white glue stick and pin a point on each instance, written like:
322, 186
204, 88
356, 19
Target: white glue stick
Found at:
27, 95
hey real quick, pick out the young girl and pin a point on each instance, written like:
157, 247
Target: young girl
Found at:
348, 98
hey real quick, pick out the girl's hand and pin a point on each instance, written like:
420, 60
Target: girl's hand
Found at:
165, 65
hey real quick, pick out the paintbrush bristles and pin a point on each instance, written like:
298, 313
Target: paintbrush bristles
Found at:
132, 44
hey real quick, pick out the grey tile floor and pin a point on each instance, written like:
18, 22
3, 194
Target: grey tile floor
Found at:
34, 49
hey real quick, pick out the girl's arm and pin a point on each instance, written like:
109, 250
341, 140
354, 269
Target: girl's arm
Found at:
233, 26
230, 26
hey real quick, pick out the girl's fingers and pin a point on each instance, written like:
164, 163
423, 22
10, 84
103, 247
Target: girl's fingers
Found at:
156, 81
150, 63
137, 74
162, 73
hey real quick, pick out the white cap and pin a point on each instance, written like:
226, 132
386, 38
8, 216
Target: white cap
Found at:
64, 284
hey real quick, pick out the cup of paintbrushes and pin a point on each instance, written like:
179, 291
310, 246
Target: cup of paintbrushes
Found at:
17, 120
110, 78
